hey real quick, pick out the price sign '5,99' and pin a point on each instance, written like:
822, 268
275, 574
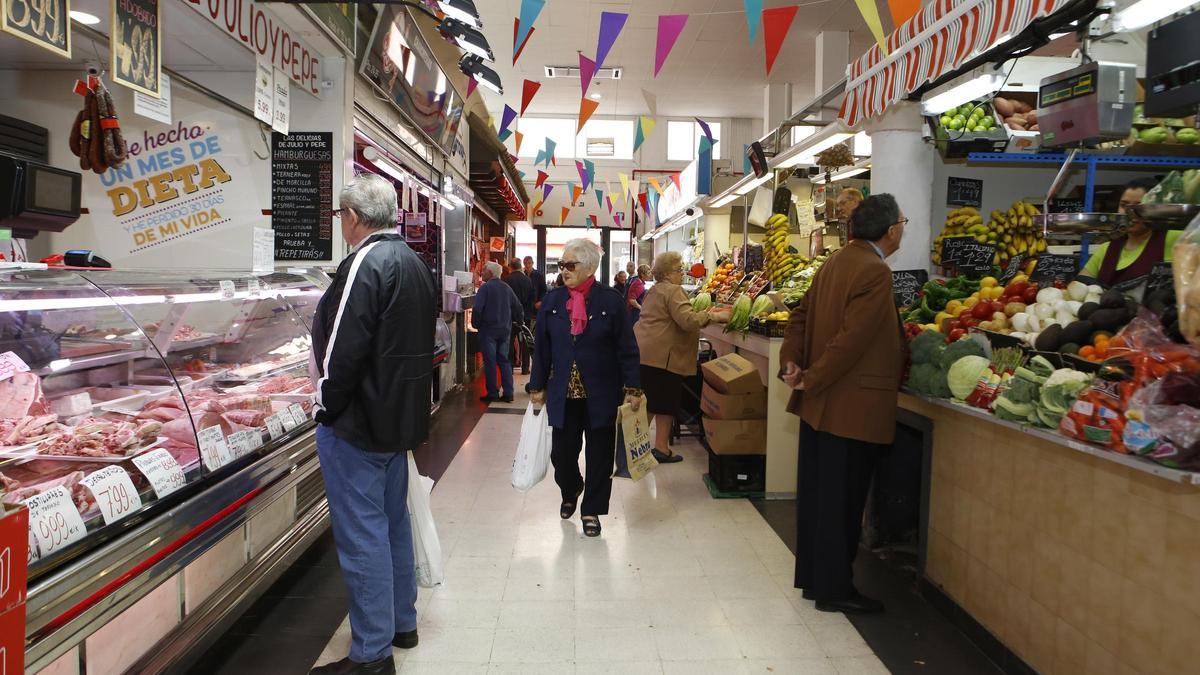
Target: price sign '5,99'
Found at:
43, 22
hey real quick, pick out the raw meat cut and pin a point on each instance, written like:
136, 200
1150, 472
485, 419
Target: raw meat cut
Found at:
17, 492
21, 395
246, 418
181, 430
95, 437
27, 429
248, 402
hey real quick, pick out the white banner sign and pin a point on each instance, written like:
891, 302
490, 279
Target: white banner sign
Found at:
157, 109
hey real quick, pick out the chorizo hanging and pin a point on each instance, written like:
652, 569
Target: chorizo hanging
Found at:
115, 148
96, 147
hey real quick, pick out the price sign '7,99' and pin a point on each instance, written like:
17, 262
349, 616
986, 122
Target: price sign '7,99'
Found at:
43, 22
114, 491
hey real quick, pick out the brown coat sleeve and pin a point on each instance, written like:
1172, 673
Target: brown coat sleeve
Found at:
682, 313
870, 303
792, 350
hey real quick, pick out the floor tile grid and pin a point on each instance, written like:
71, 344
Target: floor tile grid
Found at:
679, 582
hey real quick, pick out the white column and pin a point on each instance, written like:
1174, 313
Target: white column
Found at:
833, 53
902, 165
777, 105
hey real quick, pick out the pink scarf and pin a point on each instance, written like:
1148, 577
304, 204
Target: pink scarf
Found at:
577, 306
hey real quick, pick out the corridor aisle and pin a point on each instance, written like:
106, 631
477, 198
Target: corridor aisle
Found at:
678, 582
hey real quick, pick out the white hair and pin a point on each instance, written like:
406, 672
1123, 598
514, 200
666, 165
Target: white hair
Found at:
666, 263
373, 198
586, 252
494, 268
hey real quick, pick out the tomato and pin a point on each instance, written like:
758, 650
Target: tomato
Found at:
982, 310
968, 322
1016, 289
1029, 295
957, 334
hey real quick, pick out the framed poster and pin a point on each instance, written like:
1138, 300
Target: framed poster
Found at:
415, 226
337, 18
136, 45
45, 23
302, 194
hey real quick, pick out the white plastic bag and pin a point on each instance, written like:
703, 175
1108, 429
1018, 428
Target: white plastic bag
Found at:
533, 450
426, 545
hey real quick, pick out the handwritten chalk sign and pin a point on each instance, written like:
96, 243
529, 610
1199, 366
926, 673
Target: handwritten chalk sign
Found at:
1161, 276
964, 192
1052, 267
1073, 205
906, 286
1013, 268
966, 256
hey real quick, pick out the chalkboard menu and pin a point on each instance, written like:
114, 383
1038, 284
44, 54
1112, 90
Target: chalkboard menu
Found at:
964, 255
906, 286
302, 195
46, 24
1051, 267
1161, 276
964, 192
137, 45
1013, 268
1066, 206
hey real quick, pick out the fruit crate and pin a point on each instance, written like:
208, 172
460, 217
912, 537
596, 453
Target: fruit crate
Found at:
771, 329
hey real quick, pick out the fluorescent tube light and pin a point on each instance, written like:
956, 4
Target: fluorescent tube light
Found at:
462, 11
752, 185
722, 201
806, 150
970, 90
84, 18
466, 38
1146, 12
376, 158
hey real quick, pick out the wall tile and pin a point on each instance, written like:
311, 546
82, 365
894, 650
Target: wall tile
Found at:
1100, 661
1110, 529
1047, 572
1104, 605
1180, 577
1042, 627
1070, 649
1140, 638
1073, 597
1146, 545
1180, 648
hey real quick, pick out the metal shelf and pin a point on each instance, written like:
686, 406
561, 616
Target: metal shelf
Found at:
1083, 159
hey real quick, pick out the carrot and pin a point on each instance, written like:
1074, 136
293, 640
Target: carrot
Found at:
1087, 351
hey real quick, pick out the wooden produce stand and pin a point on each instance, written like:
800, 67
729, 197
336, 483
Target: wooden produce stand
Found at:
1076, 559
783, 428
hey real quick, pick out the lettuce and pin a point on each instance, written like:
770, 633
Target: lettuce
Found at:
965, 374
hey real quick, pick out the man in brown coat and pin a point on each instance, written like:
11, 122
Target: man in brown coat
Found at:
843, 355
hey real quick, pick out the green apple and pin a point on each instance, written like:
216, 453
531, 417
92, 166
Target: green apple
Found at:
1188, 136
946, 120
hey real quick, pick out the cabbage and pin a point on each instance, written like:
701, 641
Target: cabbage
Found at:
965, 374
702, 302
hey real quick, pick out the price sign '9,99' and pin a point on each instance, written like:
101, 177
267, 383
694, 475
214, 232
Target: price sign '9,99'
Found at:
54, 520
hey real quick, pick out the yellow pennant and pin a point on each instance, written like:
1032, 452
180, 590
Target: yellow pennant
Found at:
870, 14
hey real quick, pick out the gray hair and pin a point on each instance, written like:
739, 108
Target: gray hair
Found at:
874, 216
586, 252
665, 264
373, 198
494, 268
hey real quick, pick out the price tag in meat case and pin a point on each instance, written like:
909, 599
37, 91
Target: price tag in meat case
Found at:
253, 287
115, 494
275, 426
289, 421
228, 289
11, 364
213, 448
160, 468
244, 442
298, 413
54, 519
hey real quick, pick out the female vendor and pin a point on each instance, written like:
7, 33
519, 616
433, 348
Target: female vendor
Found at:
1127, 259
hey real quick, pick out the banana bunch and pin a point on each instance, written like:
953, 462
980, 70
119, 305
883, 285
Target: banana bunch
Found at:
959, 223
1014, 233
779, 264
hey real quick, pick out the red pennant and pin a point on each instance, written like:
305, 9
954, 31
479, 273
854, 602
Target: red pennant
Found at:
776, 24
675, 180
471, 84
541, 178
586, 107
593, 219
642, 201
528, 91
521, 48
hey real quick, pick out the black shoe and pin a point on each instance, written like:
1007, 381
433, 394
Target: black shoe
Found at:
384, 666
807, 595
859, 604
505, 399
664, 458
405, 640
591, 526
488, 399
568, 508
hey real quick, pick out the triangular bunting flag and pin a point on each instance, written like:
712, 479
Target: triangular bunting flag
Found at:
754, 10
642, 199
520, 137
675, 179
583, 174
541, 157
547, 188
903, 10
538, 207
575, 192
530, 9
639, 137
776, 23
528, 91
704, 126
608, 201
651, 102
624, 185
669, 28
592, 220
507, 118
520, 173
471, 84
654, 184
600, 198
586, 107
541, 179
562, 219
587, 70
705, 145
590, 167
549, 157
611, 24
870, 14
504, 135
519, 47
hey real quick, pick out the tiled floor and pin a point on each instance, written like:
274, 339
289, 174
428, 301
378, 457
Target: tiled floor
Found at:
678, 583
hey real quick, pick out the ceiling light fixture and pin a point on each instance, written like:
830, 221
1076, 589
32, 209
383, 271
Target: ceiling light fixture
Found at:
1146, 12
462, 11
472, 66
978, 84
376, 158
754, 184
466, 38
85, 18
723, 201
805, 152
594, 96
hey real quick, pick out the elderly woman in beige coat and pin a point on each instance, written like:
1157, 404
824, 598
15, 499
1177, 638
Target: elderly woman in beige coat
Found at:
668, 336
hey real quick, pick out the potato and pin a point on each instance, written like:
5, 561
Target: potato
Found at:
1022, 107
1003, 106
1031, 117
1034, 128
1015, 123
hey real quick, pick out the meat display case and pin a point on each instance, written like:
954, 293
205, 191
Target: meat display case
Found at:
158, 427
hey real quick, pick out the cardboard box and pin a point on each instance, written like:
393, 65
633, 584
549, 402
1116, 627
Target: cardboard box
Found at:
12, 640
14, 557
733, 406
736, 437
732, 374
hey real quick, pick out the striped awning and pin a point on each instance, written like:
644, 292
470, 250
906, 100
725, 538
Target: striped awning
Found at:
936, 41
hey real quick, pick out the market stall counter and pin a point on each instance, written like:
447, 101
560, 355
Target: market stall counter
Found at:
1074, 558
782, 428
157, 426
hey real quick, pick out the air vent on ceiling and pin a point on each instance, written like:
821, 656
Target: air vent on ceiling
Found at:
573, 71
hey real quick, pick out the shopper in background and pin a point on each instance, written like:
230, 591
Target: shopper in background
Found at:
847, 201
496, 308
630, 269
635, 292
538, 279
843, 356
585, 365
372, 360
1126, 260
668, 336
523, 288
620, 281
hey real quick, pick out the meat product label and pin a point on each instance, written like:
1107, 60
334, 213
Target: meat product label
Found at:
161, 469
213, 448
245, 442
275, 426
289, 420
228, 290
54, 519
114, 492
11, 364
298, 413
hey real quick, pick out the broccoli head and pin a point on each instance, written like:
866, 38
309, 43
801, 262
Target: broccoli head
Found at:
927, 346
957, 350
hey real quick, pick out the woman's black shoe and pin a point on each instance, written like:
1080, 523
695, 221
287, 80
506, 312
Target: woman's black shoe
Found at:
664, 458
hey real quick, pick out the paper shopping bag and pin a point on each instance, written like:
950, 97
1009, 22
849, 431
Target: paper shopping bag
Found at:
634, 460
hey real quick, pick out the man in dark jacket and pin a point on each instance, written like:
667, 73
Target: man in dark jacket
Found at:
372, 363
538, 279
523, 288
496, 308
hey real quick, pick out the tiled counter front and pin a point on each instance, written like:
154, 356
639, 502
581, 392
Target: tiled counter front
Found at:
1077, 563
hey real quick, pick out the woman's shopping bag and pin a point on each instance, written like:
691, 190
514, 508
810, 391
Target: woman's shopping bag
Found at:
533, 450
634, 460
426, 546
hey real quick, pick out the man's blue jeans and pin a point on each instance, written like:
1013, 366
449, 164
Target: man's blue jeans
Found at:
368, 503
493, 344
